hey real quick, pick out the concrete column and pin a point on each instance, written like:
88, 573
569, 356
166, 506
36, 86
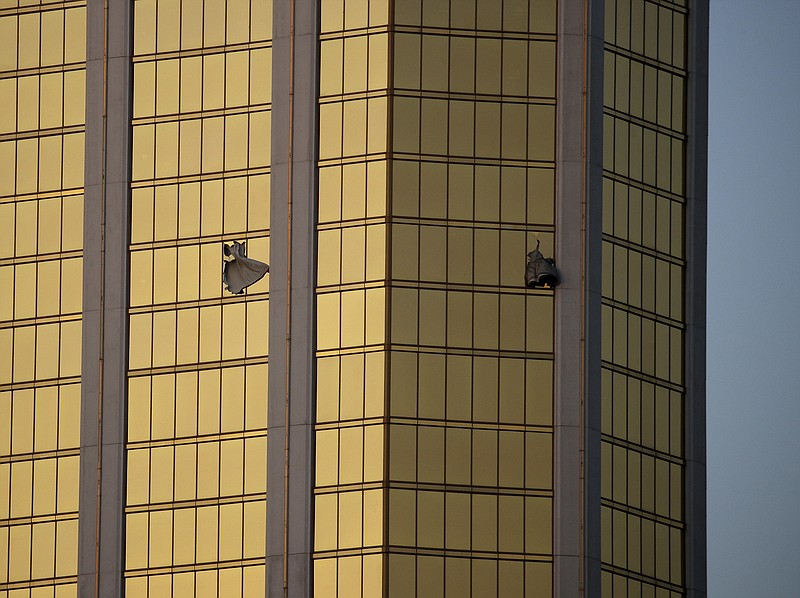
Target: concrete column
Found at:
292, 284
576, 545
695, 342
105, 298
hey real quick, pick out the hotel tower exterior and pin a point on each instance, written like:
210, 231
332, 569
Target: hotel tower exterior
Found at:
390, 412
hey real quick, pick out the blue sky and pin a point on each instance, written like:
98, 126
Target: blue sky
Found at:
753, 291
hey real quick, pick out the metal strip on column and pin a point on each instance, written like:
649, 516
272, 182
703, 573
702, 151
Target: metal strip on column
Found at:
105, 297
292, 317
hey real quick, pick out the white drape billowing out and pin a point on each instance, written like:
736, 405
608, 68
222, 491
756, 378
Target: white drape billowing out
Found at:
241, 271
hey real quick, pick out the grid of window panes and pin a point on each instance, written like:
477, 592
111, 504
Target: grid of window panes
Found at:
643, 297
434, 363
42, 79
351, 299
197, 383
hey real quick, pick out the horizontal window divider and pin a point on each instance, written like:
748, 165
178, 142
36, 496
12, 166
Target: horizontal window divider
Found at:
528, 557
194, 178
650, 516
631, 575
645, 124
181, 305
664, 66
641, 376
33, 384
357, 222
209, 566
350, 423
667, 257
42, 133
198, 367
423, 94
358, 32
379, 92
62, 193
445, 423
469, 425
387, 485
197, 503
467, 489
643, 313
45, 582
488, 33
471, 352
356, 159
359, 350
469, 288
189, 241
202, 51
344, 552
40, 455
199, 439
42, 7
201, 114
41, 258
637, 184
475, 224
44, 70
49, 518
381, 283
639, 448
679, 5
355, 487
57, 319
470, 160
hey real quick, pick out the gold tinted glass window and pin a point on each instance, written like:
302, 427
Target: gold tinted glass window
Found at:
643, 388
196, 501
352, 299
42, 74
434, 364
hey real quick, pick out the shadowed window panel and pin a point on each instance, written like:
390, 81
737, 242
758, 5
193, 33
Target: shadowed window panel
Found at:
643, 288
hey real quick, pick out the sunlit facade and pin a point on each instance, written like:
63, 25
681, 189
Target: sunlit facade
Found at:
42, 83
196, 417
390, 411
433, 446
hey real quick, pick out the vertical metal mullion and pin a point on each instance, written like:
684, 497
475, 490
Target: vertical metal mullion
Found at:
388, 286
201, 184
35, 267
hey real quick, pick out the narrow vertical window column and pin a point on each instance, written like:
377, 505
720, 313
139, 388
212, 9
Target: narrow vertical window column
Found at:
105, 297
42, 79
195, 506
652, 502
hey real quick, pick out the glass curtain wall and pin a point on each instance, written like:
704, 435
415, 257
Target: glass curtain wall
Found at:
42, 81
352, 290
643, 298
434, 363
197, 404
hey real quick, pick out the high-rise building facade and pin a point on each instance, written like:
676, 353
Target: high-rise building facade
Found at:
390, 411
